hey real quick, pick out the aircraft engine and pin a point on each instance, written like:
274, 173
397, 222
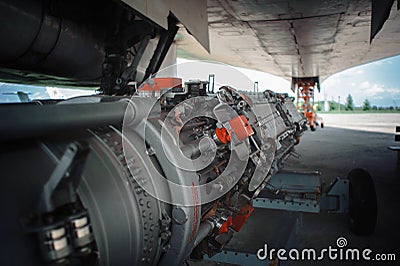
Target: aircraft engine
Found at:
145, 180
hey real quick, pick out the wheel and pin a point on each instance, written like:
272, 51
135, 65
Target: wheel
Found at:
322, 125
362, 202
313, 128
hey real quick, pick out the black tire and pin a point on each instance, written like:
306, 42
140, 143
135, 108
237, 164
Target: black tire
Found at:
322, 125
362, 202
313, 128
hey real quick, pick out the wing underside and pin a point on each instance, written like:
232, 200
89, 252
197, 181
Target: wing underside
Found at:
294, 38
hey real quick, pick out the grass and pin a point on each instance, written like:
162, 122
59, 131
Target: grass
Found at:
362, 112
358, 110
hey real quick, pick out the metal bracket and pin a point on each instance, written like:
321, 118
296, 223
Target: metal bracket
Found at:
63, 230
130, 73
70, 166
336, 199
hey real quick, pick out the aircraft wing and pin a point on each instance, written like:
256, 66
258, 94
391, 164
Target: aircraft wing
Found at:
297, 38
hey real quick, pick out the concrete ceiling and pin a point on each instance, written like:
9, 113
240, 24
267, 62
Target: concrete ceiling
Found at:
293, 38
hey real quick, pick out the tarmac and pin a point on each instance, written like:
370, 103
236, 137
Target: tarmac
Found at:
371, 122
347, 141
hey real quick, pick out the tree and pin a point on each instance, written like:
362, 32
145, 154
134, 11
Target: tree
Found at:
332, 106
349, 103
366, 105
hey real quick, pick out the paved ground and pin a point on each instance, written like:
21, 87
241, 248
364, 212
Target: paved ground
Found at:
371, 122
335, 150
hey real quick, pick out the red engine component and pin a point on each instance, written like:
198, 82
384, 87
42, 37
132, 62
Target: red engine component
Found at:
225, 226
223, 135
241, 218
241, 127
158, 85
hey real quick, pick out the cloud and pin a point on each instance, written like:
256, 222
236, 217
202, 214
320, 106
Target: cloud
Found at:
371, 90
376, 82
374, 90
365, 85
332, 81
361, 90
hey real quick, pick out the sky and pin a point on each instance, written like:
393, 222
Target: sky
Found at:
379, 81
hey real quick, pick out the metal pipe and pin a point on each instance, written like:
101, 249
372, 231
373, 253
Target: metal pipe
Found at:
29, 121
164, 43
205, 229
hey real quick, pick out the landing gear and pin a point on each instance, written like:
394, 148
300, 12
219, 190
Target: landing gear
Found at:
362, 202
305, 88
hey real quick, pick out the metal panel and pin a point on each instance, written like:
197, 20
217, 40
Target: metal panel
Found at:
298, 186
191, 13
303, 206
296, 182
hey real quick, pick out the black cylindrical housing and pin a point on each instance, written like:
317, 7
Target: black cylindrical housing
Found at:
32, 39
